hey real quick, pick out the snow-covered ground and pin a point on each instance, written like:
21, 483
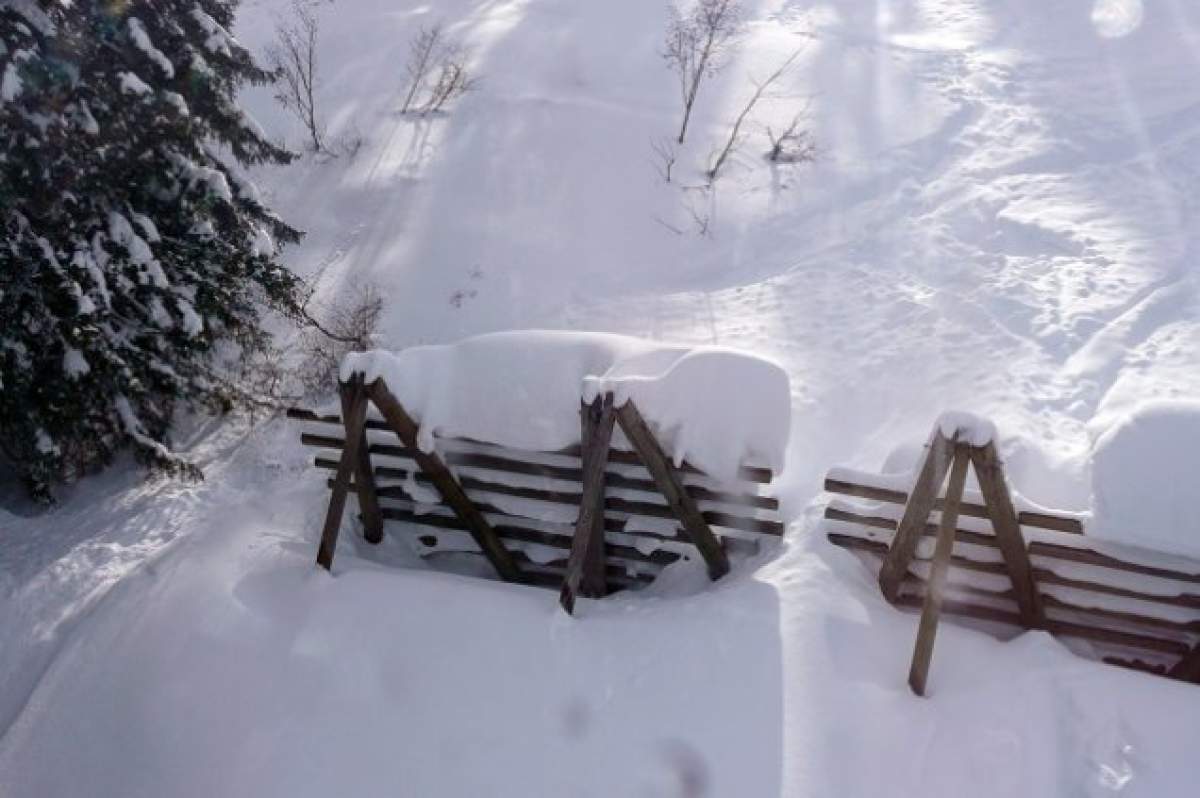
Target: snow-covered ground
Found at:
1002, 220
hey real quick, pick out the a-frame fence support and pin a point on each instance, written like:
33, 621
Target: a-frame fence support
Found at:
355, 460
586, 567
948, 454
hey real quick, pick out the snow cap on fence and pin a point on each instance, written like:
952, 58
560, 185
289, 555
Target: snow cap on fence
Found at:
717, 408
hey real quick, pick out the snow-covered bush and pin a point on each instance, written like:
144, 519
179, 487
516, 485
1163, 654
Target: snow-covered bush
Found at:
135, 260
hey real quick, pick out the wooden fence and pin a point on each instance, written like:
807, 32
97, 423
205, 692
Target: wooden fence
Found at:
598, 518
1006, 570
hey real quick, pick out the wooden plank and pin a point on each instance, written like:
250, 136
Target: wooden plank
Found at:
927, 630
616, 553
990, 474
1041, 575
681, 504
585, 568
614, 504
613, 478
746, 473
1062, 628
453, 494
916, 513
1089, 557
355, 402
1188, 667
1054, 523
364, 477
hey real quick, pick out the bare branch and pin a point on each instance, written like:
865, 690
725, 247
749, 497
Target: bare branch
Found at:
735, 131
665, 157
696, 46
439, 64
293, 58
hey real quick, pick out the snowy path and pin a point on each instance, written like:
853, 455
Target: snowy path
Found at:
1002, 220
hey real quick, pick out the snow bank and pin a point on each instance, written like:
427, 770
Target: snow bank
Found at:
717, 408
1144, 478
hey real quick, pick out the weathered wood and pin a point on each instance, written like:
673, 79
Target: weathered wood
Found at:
1054, 523
990, 474
364, 477
916, 514
926, 632
1094, 634
616, 554
681, 504
453, 494
354, 403
1045, 577
613, 478
755, 474
1039, 548
1188, 668
614, 504
585, 568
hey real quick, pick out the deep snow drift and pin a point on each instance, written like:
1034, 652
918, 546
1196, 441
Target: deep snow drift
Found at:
716, 408
1001, 220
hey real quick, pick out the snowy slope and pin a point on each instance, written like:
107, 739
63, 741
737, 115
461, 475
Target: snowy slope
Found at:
1002, 220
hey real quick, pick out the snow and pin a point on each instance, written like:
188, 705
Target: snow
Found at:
74, 363
191, 323
716, 408
10, 83
132, 84
141, 40
1144, 477
966, 428
1001, 220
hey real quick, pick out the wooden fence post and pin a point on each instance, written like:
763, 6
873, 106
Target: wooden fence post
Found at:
585, 572
916, 513
927, 631
364, 474
672, 488
354, 416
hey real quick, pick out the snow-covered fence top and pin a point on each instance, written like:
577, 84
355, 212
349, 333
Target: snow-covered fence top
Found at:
713, 407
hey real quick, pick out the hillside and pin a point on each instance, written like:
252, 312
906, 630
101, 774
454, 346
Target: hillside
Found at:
1001, 219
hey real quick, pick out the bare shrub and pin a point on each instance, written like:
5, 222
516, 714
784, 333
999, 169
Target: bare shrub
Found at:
293, 58
794, 143
343, 328
665, 156
437, 65
696, 46
734, 132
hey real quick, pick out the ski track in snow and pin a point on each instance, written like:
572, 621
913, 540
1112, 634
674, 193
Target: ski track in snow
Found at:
1001, 220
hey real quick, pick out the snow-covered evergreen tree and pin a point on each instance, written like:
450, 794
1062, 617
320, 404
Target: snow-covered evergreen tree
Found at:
134, 259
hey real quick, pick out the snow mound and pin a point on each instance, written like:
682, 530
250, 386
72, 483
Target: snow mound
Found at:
716, 408
1144, 478
969, 428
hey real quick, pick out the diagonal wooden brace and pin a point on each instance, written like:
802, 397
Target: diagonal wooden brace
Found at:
921, 501
354, 416
585, 567
926, 632
406, 429
990, 474
671, 486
